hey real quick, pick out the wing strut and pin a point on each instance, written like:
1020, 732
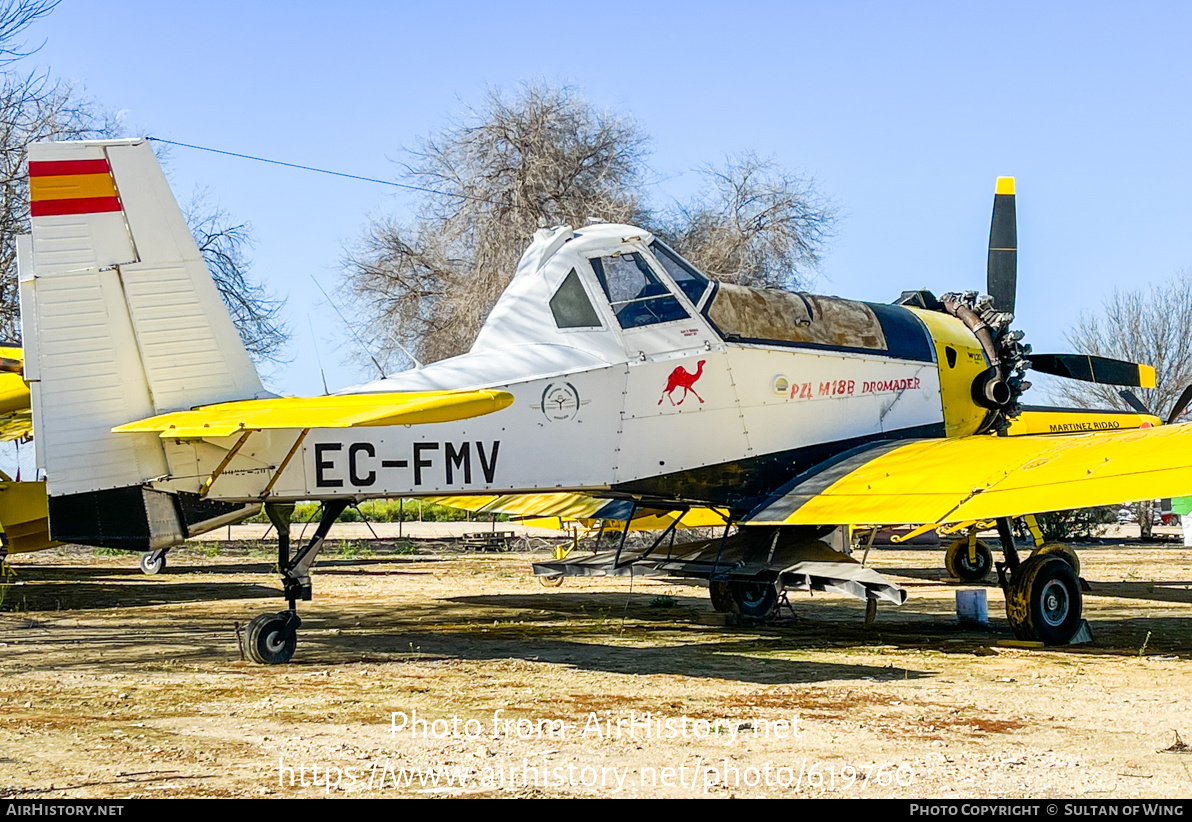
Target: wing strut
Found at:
219, 469
284, 463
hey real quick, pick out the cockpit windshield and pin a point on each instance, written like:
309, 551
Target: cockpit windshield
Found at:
636, 294
685, 275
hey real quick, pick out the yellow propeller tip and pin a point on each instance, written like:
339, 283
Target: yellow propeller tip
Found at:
1005, 185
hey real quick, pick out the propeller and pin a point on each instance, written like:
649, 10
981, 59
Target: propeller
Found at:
1001, 284
1135, 403
988, 318
1001, 278
1180, 405
1101, 370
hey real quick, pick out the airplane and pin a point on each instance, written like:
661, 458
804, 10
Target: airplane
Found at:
610, 368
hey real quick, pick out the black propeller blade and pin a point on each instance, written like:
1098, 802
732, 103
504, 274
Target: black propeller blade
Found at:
1001, 279
1180, 405
1135, 403
1101, 370
1176, 410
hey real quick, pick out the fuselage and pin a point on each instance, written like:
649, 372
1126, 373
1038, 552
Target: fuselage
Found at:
634, 375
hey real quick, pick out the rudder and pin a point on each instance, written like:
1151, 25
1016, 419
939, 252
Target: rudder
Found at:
121, 320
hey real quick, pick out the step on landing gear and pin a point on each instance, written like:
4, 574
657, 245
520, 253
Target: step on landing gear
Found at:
270, 639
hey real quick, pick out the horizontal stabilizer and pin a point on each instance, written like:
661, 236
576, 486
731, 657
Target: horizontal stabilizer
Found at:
413, 408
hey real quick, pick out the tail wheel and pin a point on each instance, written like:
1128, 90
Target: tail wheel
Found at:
754, 599
1043, 600
152, 563
550, 582
722, 596
960, 565
1058, 549
270, 639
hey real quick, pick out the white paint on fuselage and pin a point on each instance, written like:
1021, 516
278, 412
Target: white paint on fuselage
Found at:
593, 407
586, 430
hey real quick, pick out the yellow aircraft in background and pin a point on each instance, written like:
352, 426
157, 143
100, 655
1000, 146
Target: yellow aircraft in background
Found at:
23, 504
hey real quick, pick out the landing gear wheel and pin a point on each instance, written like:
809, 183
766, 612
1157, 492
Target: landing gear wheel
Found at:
270, 639
550, 582
958, 564
1058, 549
722, 597
758, 600
152, 566
1043, 600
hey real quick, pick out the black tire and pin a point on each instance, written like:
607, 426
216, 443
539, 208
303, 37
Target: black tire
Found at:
267, 640
1058, 549
758, 600
1043, 600
958, 564
722, 597
149, 566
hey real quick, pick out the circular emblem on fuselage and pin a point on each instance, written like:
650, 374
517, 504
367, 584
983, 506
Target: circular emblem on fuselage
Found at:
560, 401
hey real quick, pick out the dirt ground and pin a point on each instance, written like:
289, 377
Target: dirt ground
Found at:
450, 674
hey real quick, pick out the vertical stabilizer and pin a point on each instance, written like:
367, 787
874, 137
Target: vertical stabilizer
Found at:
120, 317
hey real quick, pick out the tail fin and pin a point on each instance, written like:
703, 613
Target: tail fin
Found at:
121, 320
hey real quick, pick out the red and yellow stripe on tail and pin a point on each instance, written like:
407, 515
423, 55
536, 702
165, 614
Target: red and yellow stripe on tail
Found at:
71, 187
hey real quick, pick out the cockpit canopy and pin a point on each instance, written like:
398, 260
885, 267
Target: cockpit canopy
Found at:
612, 289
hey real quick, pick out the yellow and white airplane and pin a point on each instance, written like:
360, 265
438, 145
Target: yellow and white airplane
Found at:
610, 368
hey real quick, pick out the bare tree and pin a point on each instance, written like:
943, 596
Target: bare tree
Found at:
1151, 326
758, 224
15, 17
547, 157
544, 158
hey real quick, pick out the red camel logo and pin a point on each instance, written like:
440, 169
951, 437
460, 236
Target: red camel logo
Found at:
682, 378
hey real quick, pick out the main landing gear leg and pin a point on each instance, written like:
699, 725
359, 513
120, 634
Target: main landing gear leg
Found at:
1043, 597
270, 639
1009, 561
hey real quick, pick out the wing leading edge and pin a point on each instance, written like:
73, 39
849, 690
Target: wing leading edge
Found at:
985, 477
340, 411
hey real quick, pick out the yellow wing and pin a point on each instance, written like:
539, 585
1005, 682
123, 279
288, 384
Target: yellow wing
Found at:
346, 411
16, 421
584, 509
985, 477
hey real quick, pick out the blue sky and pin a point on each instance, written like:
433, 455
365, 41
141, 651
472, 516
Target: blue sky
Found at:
904, 113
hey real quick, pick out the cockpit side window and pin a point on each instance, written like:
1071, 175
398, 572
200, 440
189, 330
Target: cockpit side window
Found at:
570, 305
636, 294
685, 275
